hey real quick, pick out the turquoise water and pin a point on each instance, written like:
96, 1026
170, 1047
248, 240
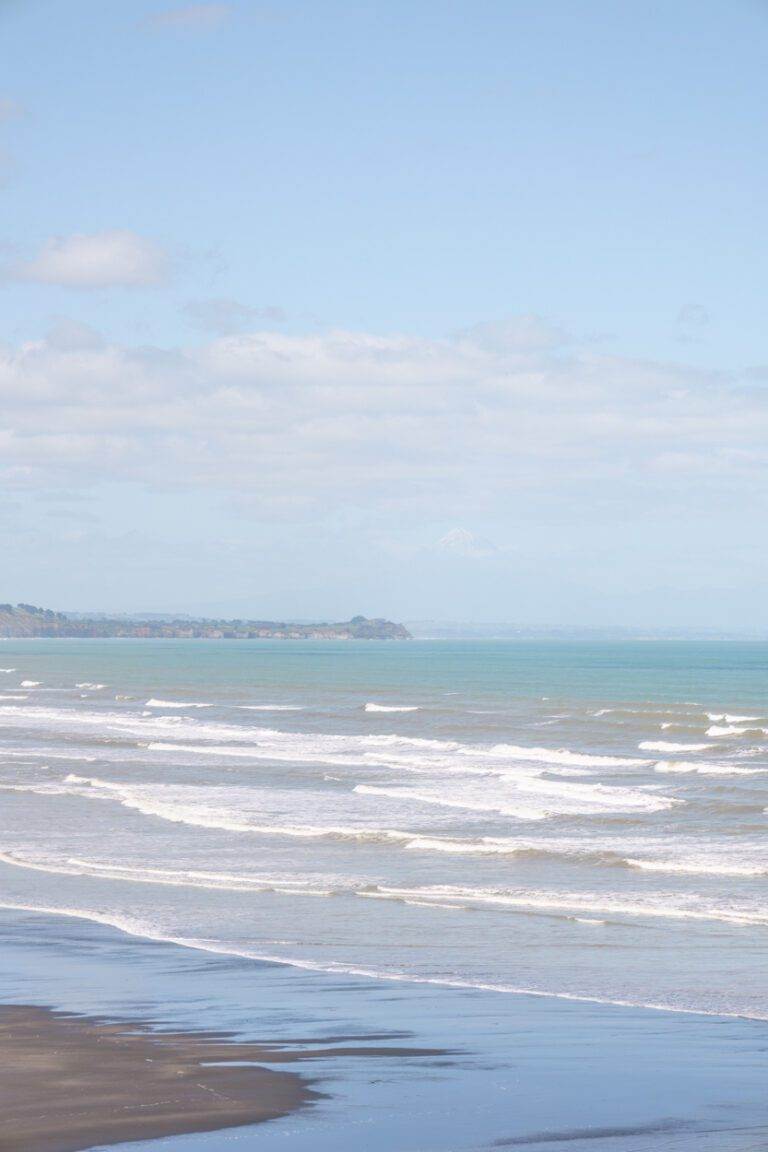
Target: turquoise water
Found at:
574, 820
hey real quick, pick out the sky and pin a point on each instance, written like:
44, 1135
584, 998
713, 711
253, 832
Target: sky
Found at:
411, 308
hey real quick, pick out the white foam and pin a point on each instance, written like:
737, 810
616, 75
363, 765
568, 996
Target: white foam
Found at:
394, 741
521, 811
163, 801
263, 810
239, 810
686, 856
7, 697
666, 746
576, 848
44, 789
282, 883
655, 905
175, 704
133, 926
7, 669
728, 718
731, 730
271, 707
26, 753
526, 796
704, 768
562, 756
700, 866
30, 684
530, 798
390, 708
88, 684
205, 749
263, 813
267, 751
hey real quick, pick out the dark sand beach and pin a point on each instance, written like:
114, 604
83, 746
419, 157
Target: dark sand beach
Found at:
70, 1082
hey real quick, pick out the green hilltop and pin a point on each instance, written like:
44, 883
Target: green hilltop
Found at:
26, 620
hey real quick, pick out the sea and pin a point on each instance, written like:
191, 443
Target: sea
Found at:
572, 821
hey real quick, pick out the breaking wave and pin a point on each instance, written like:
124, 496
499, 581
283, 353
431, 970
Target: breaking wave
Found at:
391, 708
153, 703
704, 768
667, 746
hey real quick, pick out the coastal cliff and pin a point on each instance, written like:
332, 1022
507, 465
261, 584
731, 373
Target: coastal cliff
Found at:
22, 620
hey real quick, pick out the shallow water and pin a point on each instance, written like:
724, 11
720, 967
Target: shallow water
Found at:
521, 1071
578, 820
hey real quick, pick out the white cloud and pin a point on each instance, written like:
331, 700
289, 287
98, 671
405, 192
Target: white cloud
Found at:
192, 17
115, 258
418, 427
68, 335
518, 333
225, 317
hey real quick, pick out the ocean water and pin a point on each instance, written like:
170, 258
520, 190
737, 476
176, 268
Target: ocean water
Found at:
584, 821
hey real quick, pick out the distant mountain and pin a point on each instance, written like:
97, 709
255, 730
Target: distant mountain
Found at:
27, 620
461, 542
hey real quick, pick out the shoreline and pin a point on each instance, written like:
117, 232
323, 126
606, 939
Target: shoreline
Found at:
392, 978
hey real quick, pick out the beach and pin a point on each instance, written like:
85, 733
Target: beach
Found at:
458, 895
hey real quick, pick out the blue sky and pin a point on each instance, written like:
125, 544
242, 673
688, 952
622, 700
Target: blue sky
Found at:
409, 308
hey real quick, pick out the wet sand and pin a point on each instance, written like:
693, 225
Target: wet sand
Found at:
71, 1082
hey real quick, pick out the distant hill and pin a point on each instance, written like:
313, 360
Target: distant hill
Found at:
27, 620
